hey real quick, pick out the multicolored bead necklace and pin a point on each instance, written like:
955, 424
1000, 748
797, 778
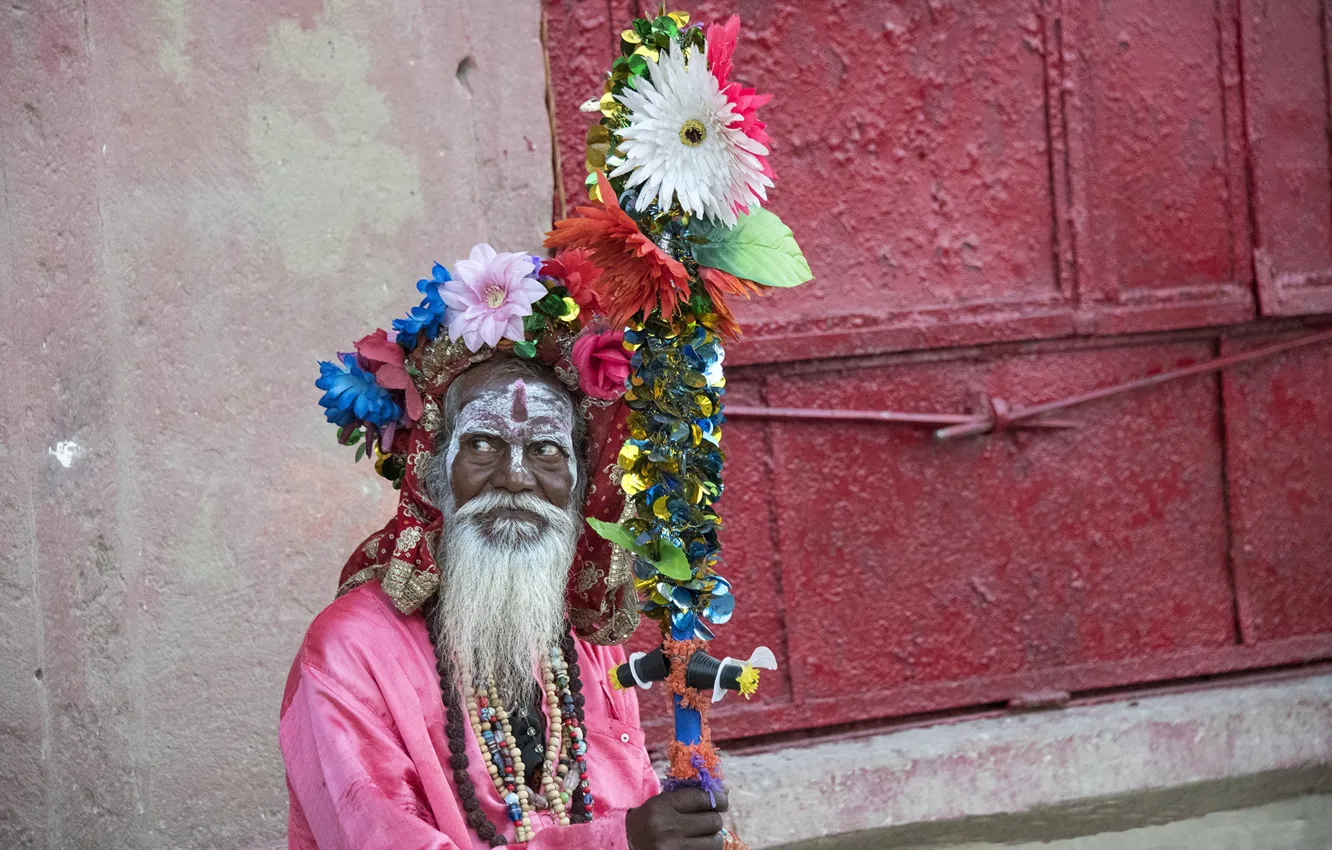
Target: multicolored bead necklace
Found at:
564, 769
565, 788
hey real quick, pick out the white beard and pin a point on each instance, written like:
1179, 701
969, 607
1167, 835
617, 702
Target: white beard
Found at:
501, 597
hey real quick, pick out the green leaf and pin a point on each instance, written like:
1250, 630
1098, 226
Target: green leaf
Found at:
673, 564
551, 305
617, 534
759, 248
360, 452
526, 348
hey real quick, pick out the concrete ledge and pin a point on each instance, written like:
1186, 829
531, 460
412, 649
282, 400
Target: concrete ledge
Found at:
1130, 763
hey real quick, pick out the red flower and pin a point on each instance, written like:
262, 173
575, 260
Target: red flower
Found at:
602, 364
579, 276
386, 361
636, 275
721, 50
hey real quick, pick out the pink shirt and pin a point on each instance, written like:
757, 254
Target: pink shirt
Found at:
362, 735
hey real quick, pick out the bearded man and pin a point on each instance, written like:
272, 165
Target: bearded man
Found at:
478, 718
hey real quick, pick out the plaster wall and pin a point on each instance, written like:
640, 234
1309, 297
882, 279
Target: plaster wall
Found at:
197, 202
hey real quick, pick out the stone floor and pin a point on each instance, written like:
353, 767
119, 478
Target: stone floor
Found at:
1304, 823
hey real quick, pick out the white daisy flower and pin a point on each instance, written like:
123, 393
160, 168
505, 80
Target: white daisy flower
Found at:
683, 142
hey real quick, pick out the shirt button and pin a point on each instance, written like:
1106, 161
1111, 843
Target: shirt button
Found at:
624, 737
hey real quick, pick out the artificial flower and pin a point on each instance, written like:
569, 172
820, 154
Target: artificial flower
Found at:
745, 101
683, 142
388, 363
351, 394
719, 284
636, 275
426, 318
602, 364
490, 297
576, 273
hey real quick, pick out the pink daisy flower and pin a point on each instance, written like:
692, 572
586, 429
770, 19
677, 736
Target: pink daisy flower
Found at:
745, 102
489, 296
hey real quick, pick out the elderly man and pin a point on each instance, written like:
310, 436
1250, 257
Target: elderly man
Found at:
479, 719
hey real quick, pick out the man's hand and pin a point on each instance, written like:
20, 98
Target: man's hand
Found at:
677, 820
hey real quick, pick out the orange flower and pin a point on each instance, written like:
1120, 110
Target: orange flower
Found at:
719, 284
636, 275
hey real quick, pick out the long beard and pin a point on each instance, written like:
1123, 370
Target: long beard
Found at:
501, 596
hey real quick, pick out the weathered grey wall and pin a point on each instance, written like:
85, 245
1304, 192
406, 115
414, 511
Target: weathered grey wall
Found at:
197, 201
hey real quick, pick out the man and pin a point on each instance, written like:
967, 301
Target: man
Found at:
395, 726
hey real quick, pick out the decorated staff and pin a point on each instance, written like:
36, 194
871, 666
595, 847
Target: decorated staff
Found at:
678, 170
439, 702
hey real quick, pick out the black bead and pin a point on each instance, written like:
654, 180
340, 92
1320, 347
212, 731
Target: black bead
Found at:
475, 818
485, 830
458, 761
460, 776
497, 841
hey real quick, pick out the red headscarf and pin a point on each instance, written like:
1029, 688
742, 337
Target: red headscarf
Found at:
601, 598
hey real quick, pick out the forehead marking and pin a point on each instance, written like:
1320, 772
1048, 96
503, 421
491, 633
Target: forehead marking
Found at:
519, 401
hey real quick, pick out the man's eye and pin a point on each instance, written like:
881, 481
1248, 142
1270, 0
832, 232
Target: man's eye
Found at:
481, 444
547, 450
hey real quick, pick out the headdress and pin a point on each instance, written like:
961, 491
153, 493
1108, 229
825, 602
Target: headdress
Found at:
385, 396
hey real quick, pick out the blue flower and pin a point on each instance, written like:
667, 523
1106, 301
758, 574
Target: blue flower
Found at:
351, 394
425, 319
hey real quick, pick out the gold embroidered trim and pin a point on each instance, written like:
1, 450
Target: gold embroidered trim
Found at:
414, 512
417, 460
420, 587
407, 540
357, 579
371, 548
431, 418
395, 580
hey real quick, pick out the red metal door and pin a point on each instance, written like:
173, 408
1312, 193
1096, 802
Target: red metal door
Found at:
1027, 200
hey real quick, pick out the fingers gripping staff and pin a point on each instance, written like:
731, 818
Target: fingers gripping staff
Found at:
678, 171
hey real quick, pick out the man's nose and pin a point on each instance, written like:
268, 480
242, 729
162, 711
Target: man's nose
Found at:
514, 476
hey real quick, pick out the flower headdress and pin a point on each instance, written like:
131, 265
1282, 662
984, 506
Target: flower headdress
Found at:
385, 397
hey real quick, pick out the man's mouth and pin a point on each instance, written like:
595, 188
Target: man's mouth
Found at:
512, 514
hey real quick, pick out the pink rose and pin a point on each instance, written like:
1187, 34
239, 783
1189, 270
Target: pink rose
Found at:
602, 364
387, 362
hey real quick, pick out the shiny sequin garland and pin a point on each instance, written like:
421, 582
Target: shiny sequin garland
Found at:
672, 464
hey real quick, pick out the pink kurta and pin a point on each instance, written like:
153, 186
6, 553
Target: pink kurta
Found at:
362, 734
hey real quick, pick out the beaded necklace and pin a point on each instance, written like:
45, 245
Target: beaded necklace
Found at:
565, 788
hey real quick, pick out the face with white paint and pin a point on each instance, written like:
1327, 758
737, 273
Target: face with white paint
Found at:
512, 436
505, 477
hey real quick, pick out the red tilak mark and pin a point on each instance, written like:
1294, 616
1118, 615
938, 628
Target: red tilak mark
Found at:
519, 401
